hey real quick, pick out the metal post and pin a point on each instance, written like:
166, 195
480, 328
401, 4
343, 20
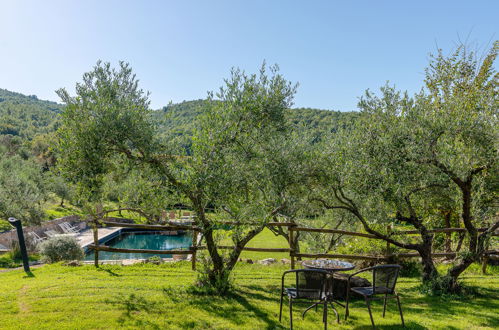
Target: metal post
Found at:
22, 244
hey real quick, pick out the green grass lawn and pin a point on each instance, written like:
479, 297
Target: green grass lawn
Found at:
158, 297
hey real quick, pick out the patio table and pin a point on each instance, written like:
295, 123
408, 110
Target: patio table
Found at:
329, 265
332, 266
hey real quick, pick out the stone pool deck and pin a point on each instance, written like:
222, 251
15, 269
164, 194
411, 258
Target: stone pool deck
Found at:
86, 237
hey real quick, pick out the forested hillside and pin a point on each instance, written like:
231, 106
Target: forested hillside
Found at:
27, 159
26, 116
177, 121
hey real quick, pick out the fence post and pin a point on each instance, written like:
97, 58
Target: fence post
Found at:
291, 247
98, 211
388, 252
194, 247
485, 261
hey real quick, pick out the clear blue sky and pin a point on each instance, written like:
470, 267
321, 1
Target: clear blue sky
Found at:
182, 49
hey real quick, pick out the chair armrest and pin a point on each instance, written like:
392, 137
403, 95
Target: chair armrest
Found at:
360, 271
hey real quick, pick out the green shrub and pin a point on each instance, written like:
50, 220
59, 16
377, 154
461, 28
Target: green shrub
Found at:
154, 260
7, 262
60, 248
4, 225
410, 268
15, 251
210, 282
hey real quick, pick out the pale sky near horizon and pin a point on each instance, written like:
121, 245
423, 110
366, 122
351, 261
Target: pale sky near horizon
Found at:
182, 49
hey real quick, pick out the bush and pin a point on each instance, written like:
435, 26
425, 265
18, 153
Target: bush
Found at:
438, 286
7, 262
211, 283
410, 268
154, 260
15, 251
60, 248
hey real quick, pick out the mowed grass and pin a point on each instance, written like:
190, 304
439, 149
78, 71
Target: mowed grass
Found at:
161, 297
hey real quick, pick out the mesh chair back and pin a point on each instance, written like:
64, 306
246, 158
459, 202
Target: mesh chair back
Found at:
385, 278
310, 284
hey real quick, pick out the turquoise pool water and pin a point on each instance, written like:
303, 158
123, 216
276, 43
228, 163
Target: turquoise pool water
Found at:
142, 240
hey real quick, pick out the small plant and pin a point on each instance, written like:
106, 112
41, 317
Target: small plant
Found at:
7, 262
15, 251
410, 268
154, 260
60, 248
441, 286
211, 283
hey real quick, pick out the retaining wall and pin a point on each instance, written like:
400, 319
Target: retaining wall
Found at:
7, 237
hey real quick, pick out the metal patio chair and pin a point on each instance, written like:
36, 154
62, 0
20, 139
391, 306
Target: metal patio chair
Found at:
384, 281
311, 285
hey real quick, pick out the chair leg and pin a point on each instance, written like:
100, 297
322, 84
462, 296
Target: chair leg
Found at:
290, 313
370, 313
384, 306
346, 306
335, 312
309, 308
280, 309
400, 311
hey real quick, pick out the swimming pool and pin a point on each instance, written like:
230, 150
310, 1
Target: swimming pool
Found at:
151, 240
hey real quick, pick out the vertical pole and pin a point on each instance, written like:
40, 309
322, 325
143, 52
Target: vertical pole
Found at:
387, 253
96, 242
448, 237
485, 261
96, 234
291, 247
22, 243
194, 247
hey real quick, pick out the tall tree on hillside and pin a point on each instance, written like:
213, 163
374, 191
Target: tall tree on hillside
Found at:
239, 162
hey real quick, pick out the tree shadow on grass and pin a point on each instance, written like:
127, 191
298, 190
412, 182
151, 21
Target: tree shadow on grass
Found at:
109, 271
29, 274
408, 325
243, 305
235, 308
132, 305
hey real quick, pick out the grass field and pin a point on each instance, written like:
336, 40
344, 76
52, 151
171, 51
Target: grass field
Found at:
159, 297
162, 297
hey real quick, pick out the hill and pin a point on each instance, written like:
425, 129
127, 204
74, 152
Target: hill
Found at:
178, 121
26, 116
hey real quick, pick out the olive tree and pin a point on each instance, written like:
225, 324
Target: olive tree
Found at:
22, 189
412, 158
458, 133
239, 163
364, 171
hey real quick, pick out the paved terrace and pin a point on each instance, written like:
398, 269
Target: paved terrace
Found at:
86, 237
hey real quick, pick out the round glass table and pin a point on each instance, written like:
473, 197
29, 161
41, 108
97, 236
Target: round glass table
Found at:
330, 265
